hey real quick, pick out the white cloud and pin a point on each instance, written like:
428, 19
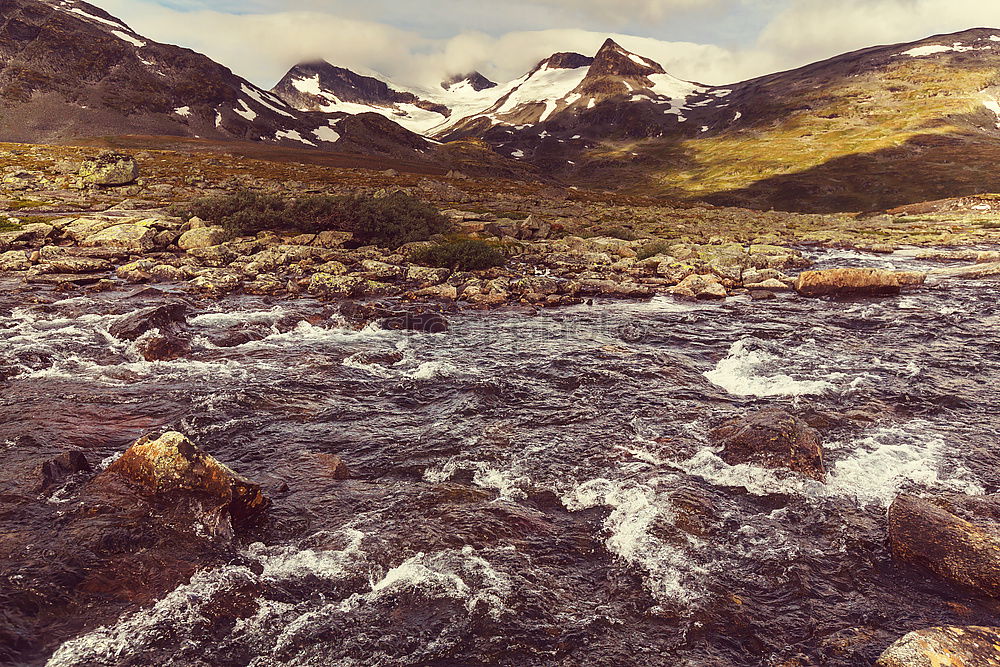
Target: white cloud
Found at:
262, 46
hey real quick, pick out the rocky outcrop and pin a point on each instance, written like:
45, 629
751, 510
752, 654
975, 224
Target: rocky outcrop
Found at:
971, 646
772, 439
856, 282
172, 465
955, 537
110, 169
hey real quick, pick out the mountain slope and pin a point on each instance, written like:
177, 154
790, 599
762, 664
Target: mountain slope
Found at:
872, 129
69, 69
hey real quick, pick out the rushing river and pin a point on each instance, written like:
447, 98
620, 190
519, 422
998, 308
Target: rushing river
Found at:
536, 488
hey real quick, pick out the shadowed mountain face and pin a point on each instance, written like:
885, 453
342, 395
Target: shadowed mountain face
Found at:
69, 69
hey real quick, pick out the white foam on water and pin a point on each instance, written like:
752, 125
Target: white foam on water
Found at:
672, 575
179, 611
872, 469
743, 372
886, 459
707, 465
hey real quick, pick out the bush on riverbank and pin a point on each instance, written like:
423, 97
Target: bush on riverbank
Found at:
390, 221
461, 254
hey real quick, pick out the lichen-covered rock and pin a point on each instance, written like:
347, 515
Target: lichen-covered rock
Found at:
165, 273
703, 287
214, 282
971, 646
215, 256
956, 537
328, 285
131, 237
14, 260
201, 237
173, 464
71, 264
110, 168
426, 276
856, 282
772, 439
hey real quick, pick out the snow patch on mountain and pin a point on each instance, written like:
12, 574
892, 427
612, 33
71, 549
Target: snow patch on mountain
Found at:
99, 19
258, 97
128, 38
327, 133
933, 49
292, 135
246, 111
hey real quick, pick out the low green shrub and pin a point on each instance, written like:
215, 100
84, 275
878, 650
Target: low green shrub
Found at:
7, 226
389, 221
653, 248
461, 254
393, 220
242, 212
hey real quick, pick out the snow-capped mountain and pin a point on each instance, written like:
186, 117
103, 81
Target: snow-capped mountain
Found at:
321, 86
567, 95
69, 69
565, 90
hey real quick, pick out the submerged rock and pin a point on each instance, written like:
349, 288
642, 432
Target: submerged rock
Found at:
425, 322
856, 282
971, 646
173, 464
955, 537
163, 348
55, 470
772, 439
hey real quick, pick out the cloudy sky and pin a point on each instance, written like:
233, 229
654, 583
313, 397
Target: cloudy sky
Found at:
420, 41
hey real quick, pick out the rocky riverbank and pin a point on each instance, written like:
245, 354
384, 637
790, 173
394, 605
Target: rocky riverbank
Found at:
563, 246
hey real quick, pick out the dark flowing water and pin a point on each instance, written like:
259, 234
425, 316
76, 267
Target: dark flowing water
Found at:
537, 489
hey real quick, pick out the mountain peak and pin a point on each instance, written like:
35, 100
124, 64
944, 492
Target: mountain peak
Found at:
613, 60
474, 79
565, 60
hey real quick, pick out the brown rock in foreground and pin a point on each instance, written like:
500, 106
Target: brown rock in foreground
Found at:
856, 282
772, 439
929, 532
172, 463
971, 646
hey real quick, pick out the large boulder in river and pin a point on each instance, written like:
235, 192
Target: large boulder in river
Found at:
170, 317
172, 464
971, 646
109, 168
956, 537
856, 282
772, 439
